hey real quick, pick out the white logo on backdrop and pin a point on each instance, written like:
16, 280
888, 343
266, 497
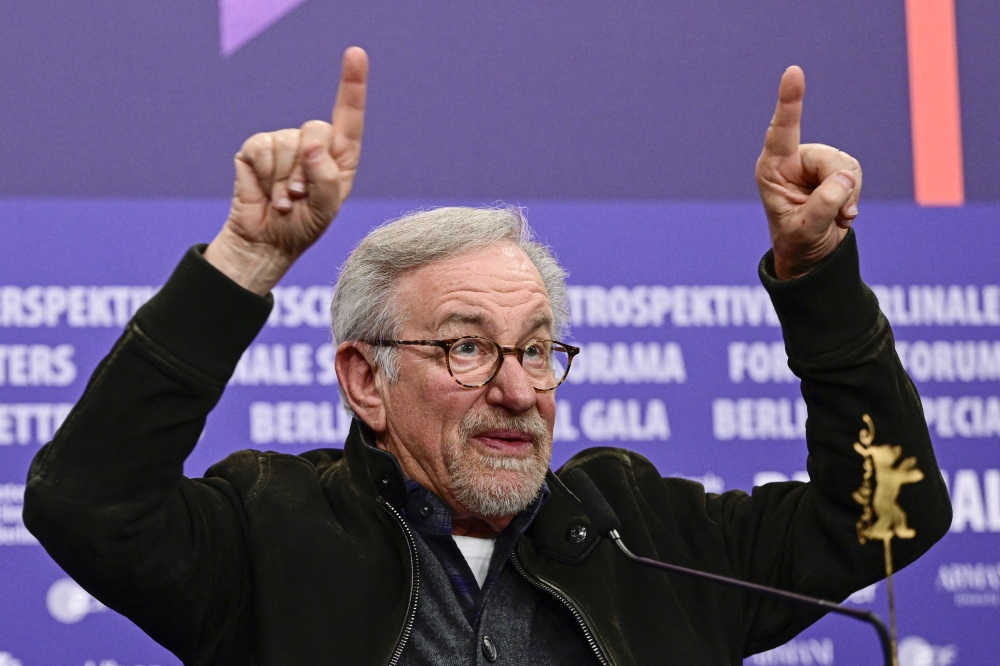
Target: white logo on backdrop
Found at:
924, 360
37, 365
916, 651
969, 416
12, 529
31, 307
759, 418
818, 651
975, 502
7, 659
760, 478
31, 423
591, 305
950, 360
680, 305
624, 420
301, 422
629, 363
970, 584
278, 364
760, 362
296, 306
102, 662
69, 603
940, 305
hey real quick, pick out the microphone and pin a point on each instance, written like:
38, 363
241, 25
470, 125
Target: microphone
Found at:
606, 522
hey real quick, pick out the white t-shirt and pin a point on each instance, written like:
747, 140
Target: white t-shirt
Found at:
477, 553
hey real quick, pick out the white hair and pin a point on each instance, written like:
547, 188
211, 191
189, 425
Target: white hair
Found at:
364, 307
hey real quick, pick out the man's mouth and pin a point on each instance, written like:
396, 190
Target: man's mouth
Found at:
505, 441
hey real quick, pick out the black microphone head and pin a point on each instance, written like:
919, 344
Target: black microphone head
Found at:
595, 506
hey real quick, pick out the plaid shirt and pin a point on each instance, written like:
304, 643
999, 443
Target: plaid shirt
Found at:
430, 517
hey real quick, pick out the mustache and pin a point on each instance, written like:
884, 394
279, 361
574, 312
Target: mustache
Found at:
495, 419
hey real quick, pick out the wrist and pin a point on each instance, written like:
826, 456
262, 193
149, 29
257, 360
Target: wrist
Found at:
825, 310
793, 259
256, 267
786, 270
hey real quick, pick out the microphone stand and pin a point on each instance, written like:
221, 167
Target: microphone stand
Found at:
864, 616
606, 523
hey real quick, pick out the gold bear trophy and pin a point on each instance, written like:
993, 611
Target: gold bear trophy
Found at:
881, 517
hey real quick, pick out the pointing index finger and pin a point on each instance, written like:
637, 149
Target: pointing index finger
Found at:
782, 137
349, 109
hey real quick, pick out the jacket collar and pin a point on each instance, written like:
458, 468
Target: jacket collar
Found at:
377, 472
561, 530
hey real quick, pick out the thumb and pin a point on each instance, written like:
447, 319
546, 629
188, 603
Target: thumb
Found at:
321, 174
825, 201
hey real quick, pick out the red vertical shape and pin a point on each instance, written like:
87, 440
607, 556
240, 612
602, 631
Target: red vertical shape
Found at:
934, 104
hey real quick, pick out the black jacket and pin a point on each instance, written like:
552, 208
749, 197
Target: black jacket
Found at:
283, 559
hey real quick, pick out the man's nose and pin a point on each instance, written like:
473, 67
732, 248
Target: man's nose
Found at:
512, 387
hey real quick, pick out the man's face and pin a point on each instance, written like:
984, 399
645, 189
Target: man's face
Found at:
484, 450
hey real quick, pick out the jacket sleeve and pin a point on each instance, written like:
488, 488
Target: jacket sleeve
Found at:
804, 536
107, 497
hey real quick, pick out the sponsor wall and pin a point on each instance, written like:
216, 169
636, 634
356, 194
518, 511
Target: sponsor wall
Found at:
682, 358
682, 361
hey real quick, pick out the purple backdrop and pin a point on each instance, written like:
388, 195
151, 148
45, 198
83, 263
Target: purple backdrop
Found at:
629, 134
523, 99
681, 283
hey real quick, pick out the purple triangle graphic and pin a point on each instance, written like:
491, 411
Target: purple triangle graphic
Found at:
242, 20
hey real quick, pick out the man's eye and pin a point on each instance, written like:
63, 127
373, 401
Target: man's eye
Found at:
467, 348
533, 351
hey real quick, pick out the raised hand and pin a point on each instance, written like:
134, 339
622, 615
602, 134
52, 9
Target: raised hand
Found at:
810, 192
290, 185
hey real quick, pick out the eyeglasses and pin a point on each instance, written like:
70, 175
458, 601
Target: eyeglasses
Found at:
474, 361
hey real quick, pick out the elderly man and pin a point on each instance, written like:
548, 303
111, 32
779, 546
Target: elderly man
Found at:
438, 535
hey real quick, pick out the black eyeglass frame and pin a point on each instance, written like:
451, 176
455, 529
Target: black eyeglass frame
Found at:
502, 352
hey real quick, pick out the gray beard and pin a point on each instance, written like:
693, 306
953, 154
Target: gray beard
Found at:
493, 486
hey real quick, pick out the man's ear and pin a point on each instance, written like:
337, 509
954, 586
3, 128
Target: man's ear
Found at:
358, 380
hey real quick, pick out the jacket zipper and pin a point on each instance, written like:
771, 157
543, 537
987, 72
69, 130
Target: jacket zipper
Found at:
558, 594
411, 614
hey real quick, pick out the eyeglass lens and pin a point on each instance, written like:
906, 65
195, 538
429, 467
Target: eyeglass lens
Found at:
473, 361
